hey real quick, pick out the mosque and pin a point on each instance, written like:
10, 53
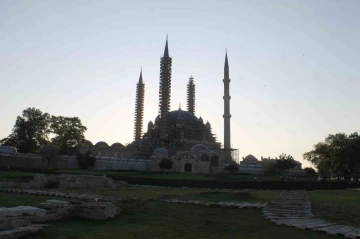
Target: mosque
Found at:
178, 135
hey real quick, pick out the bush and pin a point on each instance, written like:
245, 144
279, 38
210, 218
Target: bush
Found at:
86, 160
232, 168
166, 164
235, 184
49, 152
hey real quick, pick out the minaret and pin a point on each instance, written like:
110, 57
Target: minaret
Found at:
164, 91
191, 96
227, 114
139, 108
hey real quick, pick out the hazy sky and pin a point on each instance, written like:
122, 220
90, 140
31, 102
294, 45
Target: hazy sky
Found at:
294, 65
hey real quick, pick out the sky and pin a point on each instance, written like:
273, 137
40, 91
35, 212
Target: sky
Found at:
294, 66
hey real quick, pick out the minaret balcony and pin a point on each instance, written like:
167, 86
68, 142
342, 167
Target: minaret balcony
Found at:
227, 97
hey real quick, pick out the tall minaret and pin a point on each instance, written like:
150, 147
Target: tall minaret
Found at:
139, 107
164, 91
191, 96
226, 98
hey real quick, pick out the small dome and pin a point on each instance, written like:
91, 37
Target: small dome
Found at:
102, 144
160, 151
250, 159
87, 143
199, 148
117, 146
150, 123
185, 115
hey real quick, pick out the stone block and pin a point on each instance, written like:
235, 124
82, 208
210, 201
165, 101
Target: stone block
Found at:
97, 210
21, 211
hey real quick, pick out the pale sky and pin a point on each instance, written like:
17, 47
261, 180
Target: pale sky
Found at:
294, 66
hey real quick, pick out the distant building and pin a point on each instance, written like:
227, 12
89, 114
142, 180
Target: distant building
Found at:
251, 162
178, 132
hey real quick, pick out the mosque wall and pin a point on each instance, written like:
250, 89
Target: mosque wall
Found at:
20, 161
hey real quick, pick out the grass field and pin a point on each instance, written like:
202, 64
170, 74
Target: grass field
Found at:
144, 193
10, 174
340, 206
148, 219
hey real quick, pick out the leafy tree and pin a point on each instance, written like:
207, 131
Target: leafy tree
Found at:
86, 160
339, 156
69, 133
166, 164
30, 131
284, 163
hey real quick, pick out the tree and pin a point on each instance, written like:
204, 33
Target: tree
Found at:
338, 156
69, 133
86, 160
310, 171
30, 131
284, 163
166, 164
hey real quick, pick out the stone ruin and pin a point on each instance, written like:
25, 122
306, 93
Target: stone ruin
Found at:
71, 181
19, 221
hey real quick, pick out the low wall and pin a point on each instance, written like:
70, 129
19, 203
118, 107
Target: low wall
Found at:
120, 165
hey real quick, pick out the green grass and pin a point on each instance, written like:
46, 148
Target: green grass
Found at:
15, 175
136, 174
142, 219
14, 200
341, 206
140, 174
261, 196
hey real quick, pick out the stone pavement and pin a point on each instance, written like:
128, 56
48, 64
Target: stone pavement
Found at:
293, 208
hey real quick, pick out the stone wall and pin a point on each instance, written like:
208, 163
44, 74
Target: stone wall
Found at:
31, 162
22, 161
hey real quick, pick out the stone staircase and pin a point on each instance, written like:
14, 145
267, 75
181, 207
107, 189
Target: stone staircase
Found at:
293, 208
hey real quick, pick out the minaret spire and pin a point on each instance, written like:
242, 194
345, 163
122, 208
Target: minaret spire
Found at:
166, 52
165, 91
227, 115
139, 107
226, 67
140, 78
191, 96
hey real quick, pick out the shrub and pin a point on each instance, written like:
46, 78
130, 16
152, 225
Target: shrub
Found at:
49, 152
166, 164
232, 168
86, 160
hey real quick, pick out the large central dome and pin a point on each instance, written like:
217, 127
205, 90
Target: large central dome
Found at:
181, 114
